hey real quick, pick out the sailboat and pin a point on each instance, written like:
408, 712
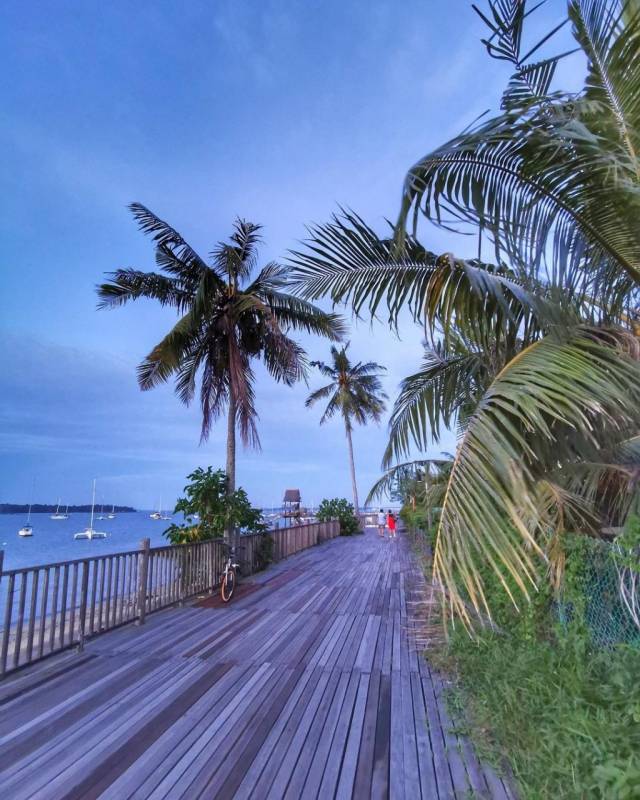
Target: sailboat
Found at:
101, 514
26, 529
157, 514
58, 515
111, 514
90, 533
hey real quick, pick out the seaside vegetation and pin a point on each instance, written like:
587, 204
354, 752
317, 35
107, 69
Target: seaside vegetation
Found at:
535, 691
341, 509
533, 355
209, 510
230, 313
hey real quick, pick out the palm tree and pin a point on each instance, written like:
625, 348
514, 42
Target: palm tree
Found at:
550, 330
227, 318
355, 392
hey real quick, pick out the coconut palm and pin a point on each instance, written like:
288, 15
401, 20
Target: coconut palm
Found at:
228, 317
354, 392
553, 183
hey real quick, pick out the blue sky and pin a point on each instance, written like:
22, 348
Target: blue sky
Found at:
275, 111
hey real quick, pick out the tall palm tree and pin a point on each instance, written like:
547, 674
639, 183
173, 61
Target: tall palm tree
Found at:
553, 182
227, 318
354, 392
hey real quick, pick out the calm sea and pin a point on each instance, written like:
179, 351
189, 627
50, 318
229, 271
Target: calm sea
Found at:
53, 540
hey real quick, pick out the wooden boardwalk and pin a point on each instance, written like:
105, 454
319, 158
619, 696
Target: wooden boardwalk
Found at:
305, 686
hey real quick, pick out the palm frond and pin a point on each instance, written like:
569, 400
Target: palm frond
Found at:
557, 401
347, 261
241, 381
132, 284
343, 260
414, 470
320, 394
166, 237
293, 312
609, 34
166, 357
556, 178
431, 398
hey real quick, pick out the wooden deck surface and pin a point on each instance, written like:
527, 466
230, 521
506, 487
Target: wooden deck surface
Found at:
306, 686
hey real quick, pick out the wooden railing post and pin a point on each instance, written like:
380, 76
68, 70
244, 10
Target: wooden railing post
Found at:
212, 566
84, 591
143, 573
182, 552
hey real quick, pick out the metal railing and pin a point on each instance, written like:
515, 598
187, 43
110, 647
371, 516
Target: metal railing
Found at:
52, 607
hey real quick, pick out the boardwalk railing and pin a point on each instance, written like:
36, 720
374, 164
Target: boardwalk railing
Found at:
52, 607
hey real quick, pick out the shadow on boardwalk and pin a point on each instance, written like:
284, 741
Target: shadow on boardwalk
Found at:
307, 686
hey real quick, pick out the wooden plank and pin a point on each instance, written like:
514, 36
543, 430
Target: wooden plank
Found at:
146, 772
320, 756
331, 773
287, 765
207, 772
283, 725
354, 739
254, 738
301, 770
428, 781
194, 756
82, 762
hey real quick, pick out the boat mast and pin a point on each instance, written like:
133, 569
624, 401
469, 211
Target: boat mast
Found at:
93, 502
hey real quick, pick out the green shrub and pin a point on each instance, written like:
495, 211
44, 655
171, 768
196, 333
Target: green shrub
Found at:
416, 520
342, 510
564, 713
208, 511
263, 552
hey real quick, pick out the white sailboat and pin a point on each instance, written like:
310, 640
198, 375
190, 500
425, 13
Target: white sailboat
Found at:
58, 514
90, 533
27, 529
112, 514
101, 515
157, 514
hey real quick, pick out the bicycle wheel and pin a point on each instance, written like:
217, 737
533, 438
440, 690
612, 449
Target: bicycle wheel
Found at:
228, 585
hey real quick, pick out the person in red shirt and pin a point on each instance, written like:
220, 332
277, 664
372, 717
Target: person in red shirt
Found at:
391, 524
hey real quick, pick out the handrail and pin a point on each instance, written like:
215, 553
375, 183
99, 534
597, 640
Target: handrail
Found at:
52, 607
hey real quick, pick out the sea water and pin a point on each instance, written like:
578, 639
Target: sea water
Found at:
53, 541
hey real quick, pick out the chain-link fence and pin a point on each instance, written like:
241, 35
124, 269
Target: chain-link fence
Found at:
608, 590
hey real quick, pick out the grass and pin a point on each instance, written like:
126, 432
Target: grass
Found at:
563, 713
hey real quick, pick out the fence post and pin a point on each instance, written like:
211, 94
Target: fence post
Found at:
212, 568
84, 591
183, 574
143, 573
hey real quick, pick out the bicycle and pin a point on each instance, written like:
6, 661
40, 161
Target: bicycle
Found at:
229, 575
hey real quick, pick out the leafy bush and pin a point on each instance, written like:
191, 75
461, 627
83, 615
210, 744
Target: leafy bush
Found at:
416, 520
209, 511
564, 713
263, 552
342, 510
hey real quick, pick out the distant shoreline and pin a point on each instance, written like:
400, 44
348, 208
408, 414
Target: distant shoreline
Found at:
44, 508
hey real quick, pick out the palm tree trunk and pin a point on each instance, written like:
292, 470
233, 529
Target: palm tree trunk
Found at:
231, 456
352, 465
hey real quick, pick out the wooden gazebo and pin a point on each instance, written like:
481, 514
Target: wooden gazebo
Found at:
291, 503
